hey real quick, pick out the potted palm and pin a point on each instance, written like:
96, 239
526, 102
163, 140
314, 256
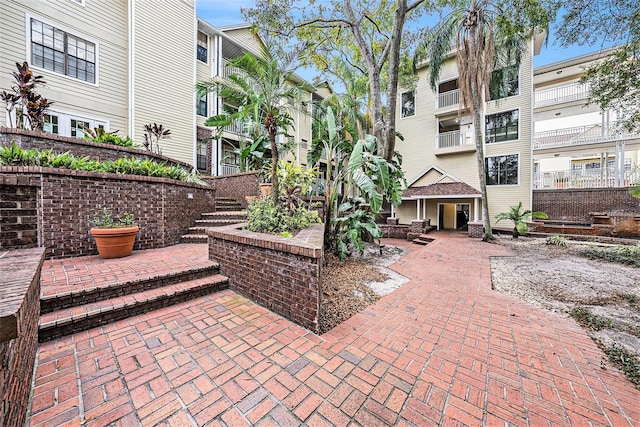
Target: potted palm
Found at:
114, 235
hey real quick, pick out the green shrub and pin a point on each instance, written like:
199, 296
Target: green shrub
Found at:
265, 217
16, 156
100, 135
557, 240
622, 254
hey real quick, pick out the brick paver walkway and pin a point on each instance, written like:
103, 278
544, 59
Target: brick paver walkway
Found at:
442, 350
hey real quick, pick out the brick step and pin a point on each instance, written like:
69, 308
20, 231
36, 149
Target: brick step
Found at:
86, 295
194, 238
227, 208
80, 318
217, 222
240, 215
422, 239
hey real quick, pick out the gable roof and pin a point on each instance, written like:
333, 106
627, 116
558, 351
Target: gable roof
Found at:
444, 175
440, 190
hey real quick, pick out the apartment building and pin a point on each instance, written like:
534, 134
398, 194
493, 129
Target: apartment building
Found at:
217, 152
575, 145
122, 64
439, 152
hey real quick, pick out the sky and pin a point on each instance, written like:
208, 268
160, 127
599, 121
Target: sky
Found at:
220, 13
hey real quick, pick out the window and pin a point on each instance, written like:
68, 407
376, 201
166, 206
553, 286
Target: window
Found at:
504, 82
502, 170
201, 105
231, 157
408, 100
501, 127
77, 127
202, 155
51, 124
203, 43
61, 52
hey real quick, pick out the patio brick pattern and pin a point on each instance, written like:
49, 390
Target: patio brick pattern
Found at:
444, 349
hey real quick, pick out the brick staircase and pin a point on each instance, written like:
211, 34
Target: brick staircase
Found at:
71, 311
228, 211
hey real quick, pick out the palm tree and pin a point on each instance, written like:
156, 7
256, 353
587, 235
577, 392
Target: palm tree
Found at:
520, 218
263, 88
486, 35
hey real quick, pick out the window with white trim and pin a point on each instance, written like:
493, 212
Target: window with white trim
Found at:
504, 82
202, 105
408, 106
203, 47
502, 170
501, 126
68, 125
51, 124
58, 51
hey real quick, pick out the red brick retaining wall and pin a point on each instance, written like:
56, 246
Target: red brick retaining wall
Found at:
575, 205
281, 274
27, 139
19, 314
236, 186
66, 201
19, 215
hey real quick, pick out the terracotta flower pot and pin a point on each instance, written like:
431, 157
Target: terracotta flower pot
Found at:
115, 242
265, 189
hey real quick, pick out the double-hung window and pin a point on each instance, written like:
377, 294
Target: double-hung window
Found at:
203, 44
61, 52
501, 127
408, 107
202, 105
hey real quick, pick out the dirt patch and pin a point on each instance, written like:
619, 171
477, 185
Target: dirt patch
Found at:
350, 286
604, 297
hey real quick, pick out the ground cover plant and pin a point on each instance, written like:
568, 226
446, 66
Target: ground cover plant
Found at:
104, 137
16, 156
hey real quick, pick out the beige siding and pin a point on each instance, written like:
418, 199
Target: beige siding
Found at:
164, 79
103, 22
245, 38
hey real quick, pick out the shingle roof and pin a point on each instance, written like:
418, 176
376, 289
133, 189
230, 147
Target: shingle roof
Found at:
441, 189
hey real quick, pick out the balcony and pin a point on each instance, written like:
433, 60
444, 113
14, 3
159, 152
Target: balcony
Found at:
581, 135
562, 94
454, 142
228, 169
237, 128
448, 99
587, 178
226, 71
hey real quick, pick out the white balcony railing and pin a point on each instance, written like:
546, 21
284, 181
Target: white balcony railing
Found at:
227, 71
454, 139
228, 169
447, 99
585, 178
588, 134
559, 95
236, 127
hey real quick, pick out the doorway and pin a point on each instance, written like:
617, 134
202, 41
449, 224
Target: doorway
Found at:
453, 216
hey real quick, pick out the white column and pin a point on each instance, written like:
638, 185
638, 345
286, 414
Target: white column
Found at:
424, 209
475, 209
417, 208
393, 211
616, 167
621, 167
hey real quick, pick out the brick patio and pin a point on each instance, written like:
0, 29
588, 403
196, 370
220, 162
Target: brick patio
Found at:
442, 350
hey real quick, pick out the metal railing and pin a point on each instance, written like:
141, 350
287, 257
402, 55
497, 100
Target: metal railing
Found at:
579, 135
585, 178
227, 169
454, 139
558, 95
236, 127
447, 99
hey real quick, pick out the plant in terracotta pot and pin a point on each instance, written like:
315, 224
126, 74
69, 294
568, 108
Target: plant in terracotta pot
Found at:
114, 235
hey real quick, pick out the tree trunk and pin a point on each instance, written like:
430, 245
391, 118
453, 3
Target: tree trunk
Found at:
272, 129
478, 107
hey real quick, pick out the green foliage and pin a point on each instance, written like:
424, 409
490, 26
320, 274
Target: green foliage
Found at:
586, 318
520, 218
557, 240
16, 156
30, 108
621, 254
266, 92
266, 217
352, 226
100, 135
103, 218
626, 361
